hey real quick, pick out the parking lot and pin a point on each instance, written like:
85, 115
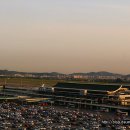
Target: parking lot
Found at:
15, 116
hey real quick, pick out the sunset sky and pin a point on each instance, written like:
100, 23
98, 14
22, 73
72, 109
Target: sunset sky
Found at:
65, 35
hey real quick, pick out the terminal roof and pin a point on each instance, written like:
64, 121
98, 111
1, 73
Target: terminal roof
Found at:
93, 87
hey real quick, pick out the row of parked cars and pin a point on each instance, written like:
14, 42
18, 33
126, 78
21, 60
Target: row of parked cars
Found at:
38, 117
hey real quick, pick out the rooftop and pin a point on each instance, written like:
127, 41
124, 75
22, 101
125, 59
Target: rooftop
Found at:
93, 87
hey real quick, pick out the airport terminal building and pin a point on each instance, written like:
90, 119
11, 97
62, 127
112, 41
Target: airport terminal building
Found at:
82, 95
77, 95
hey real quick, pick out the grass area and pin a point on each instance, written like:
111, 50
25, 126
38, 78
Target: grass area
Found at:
32, 82
27, 82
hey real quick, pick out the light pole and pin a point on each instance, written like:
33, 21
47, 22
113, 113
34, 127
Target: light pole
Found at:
21, 83
5, 82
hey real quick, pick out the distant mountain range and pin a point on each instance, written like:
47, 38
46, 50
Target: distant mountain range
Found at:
101, 73
7, 72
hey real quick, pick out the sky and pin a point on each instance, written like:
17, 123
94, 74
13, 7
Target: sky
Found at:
65, 35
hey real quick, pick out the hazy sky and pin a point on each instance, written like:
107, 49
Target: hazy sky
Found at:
65, 35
